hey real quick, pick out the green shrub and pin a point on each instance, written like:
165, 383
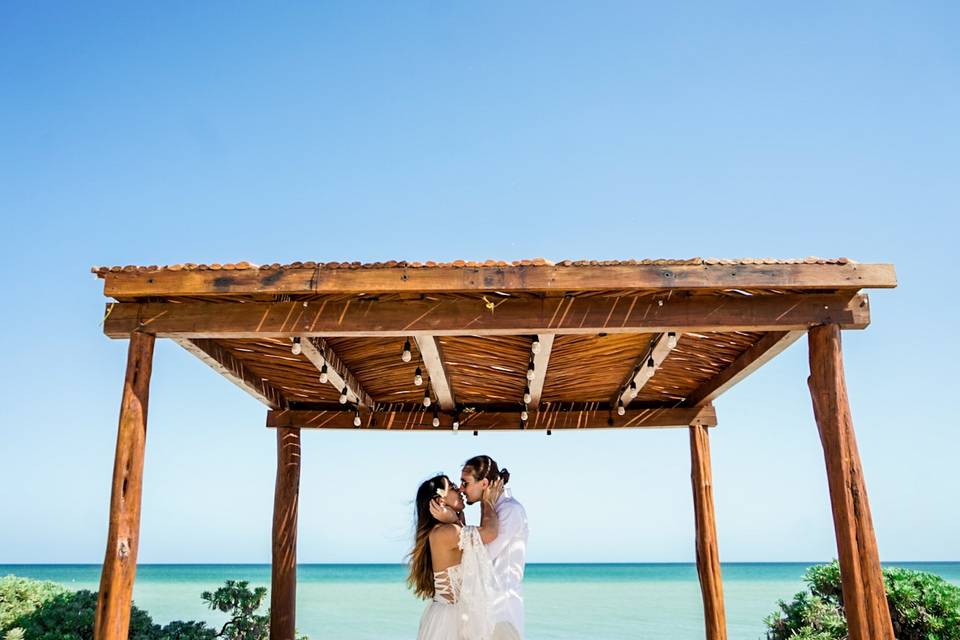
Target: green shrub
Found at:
923, 606
20, 596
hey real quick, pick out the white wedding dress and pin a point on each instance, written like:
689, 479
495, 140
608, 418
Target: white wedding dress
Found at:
462, 605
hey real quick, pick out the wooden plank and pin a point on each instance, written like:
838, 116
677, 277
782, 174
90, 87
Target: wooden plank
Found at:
112, 617
641, 373
317, 351
406, 419
541, 361
283, 594
233, 369
122, 285
512, 316
430, 352
708, 555
749, 361
864, 595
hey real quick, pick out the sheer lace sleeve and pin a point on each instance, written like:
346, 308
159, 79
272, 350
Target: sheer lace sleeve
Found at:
479, 587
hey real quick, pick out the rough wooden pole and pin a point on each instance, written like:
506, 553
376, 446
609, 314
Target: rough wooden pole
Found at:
112, 618
864, 596
283, 595
708, 557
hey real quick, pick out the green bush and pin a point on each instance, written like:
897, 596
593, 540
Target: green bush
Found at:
34, 610
923, 606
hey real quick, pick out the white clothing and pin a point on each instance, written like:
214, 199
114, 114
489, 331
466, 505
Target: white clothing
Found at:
509, 555
462, 606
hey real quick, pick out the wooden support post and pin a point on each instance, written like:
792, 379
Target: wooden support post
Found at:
864, 596
283, 595
708, 557
112, 618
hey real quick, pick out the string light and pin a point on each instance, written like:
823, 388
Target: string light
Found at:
526, 395
476, 433
405, 356
436, 419
651, 365
343, 395
535, 345
530, 372
418, 377
549, 432
671, 339
633, 388
456, 422
324, 376
356, 418
524, 415
620, 408
296, 349
426, 397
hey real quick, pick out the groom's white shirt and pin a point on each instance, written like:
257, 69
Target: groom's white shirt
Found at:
509, 555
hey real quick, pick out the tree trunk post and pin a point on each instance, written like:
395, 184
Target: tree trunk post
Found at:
708, 556
283, 595
864, 595
112, 617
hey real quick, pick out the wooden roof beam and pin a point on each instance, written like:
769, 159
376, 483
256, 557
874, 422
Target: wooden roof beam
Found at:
540, 361
234, 370
749, 361
510, 316
643, 372
317, 351
597, 417
293, 281
439, 382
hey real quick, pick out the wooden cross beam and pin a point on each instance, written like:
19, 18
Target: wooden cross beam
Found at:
749, 361
465, 316
540, 361
642, 372
317, 351
407, 419
430, 352
234, 370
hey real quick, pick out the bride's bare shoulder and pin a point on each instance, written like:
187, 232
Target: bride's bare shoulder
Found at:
445, 532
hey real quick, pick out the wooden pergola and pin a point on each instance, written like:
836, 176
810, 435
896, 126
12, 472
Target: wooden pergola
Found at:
528, 345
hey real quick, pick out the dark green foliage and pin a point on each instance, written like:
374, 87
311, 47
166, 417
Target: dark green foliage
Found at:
923, 606
47, 611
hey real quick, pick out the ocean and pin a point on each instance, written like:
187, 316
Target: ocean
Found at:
563, 601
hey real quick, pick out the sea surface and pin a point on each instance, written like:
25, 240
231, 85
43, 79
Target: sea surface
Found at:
563, 601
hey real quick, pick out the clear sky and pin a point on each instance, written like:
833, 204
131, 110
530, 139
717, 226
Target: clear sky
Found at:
221, 131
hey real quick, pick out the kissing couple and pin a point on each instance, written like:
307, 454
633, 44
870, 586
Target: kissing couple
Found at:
473, 575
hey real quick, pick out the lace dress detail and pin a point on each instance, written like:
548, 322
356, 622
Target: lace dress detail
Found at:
446, 585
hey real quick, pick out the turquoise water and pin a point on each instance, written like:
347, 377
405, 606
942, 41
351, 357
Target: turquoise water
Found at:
564, 601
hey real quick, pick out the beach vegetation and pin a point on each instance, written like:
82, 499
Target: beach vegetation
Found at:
37, 610
923, 606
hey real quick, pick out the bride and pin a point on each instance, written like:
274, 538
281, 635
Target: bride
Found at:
450, 565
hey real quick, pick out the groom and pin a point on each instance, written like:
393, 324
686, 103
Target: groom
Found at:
509, 550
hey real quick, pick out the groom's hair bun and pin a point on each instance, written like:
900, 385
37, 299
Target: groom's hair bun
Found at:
505, 475
485, 467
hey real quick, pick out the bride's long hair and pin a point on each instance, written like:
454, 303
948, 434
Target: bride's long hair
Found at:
421, 560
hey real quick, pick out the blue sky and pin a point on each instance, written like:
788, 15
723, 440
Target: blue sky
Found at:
173, 132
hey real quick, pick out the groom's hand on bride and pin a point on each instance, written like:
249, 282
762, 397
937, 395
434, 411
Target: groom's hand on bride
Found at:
443, 513
493, 491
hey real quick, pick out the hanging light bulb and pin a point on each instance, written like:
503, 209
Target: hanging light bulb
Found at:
535, 345
672, 339
324, 376
456, 422
418, 377
530, 372
356, 418
405, 356
524, 415
436, 419
620, 408
476, 433
633, 389
296, 349
526, 395
651, 365
549, 432
426, 397
343, 395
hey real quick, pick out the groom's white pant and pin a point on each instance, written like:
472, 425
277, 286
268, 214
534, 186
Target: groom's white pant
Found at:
505, 631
